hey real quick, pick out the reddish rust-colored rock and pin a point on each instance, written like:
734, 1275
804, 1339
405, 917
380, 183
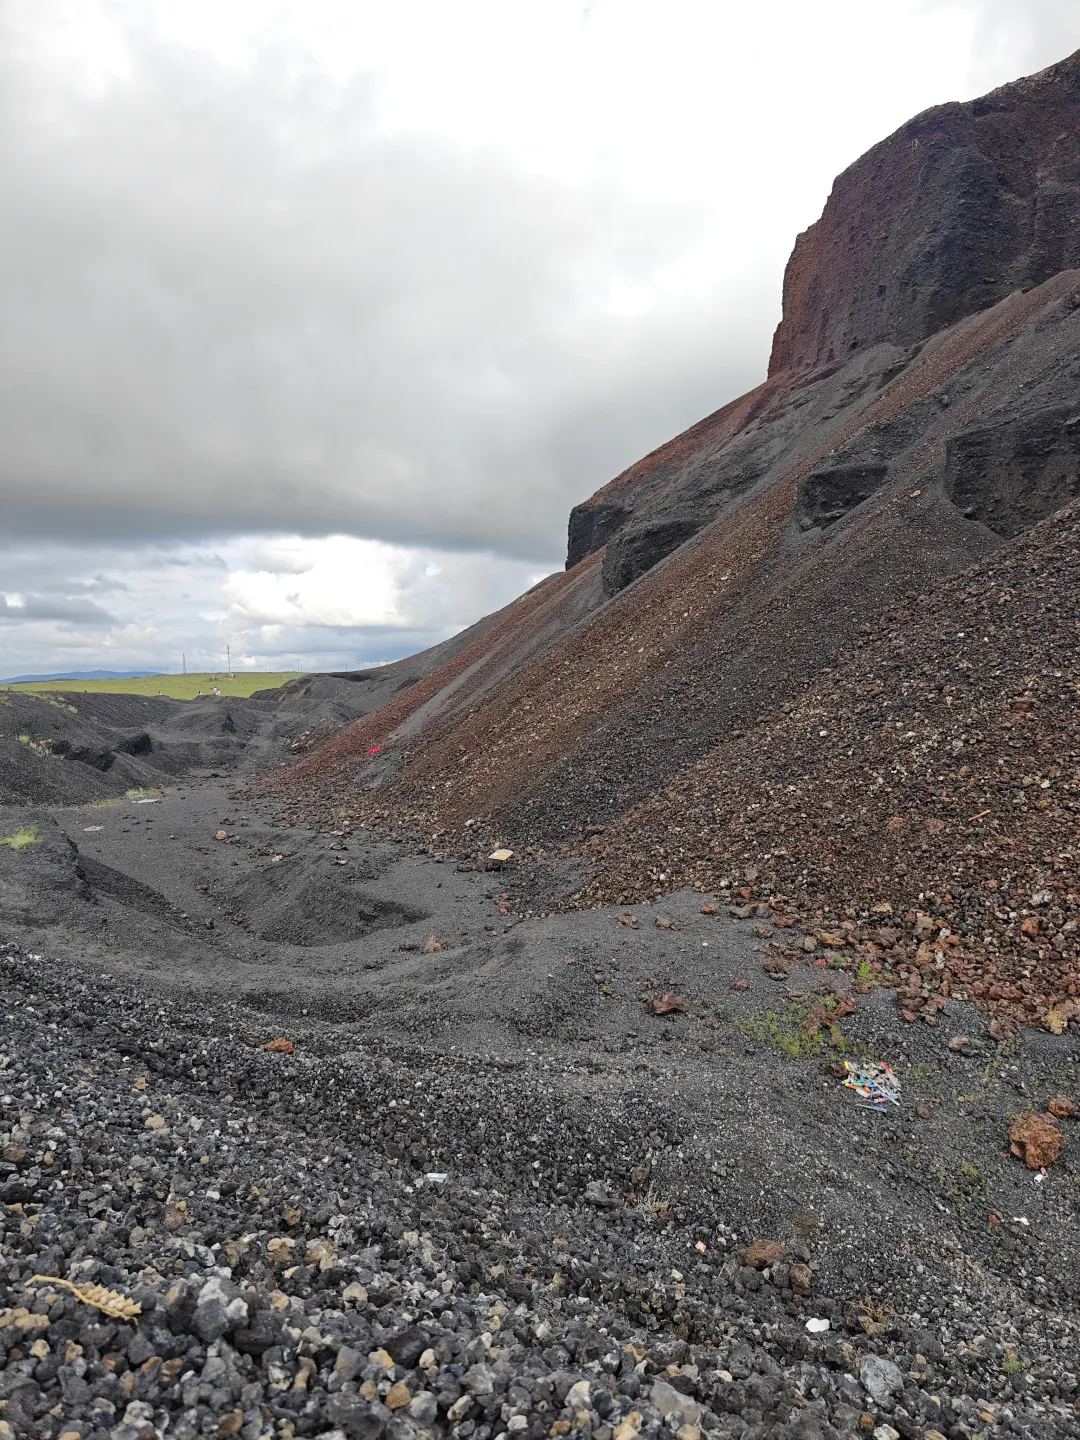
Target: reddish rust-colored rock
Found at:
667, 1004
802, 1279
762, 1253
1035, 1140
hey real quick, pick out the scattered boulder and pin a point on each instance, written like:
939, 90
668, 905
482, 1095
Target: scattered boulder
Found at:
1035, 1140
882, 1379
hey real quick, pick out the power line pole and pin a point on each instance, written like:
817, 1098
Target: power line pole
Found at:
228, 658
183, 661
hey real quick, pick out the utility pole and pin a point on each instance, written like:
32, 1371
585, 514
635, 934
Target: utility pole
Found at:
228, 658
183, 661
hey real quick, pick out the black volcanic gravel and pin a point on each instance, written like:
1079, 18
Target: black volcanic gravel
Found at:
319, 1246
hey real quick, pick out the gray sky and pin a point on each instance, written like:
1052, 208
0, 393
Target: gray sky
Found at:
319, 317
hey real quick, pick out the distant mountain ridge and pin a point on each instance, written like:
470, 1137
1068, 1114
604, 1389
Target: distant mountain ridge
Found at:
79, 675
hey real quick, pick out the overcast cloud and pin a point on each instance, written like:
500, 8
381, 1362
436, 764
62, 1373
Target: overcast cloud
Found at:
319, 318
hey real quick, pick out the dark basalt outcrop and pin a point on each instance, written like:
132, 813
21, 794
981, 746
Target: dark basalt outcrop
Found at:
1015, 472
962, 205
639, 547
591, 527
830, 491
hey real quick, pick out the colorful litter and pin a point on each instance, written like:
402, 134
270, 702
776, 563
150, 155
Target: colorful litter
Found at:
374, 749
875, 1082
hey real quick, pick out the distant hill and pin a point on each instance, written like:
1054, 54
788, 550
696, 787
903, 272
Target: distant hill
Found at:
78, 675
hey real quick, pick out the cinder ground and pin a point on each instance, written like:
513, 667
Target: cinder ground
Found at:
542, 1075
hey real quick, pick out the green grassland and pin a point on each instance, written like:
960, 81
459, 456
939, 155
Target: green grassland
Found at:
177, 687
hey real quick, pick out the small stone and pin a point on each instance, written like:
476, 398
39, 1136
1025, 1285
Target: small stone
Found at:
886, 1432
801, 1278
959, 1042
479, 1379
1036, 1140
578, 1396
881, 1379
398, 1396
230, 1424
321, 1253
423, 1408
628, 1428
154, 1122
219, 1309
354, 1294
407, 1346
668, 1400
459, 1409
762, 1253
348, 1364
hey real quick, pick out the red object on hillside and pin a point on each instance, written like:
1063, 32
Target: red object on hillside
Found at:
374, 750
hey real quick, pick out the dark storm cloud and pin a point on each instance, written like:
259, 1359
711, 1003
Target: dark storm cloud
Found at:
231, 306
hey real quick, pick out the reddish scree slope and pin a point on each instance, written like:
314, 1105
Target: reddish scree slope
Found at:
918, 806
827, 496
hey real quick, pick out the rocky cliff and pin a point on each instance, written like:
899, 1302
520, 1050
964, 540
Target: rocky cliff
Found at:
961, 206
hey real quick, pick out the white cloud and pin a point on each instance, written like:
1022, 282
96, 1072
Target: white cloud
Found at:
344, 582
335, 602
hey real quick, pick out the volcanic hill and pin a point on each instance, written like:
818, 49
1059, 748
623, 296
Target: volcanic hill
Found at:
791, 554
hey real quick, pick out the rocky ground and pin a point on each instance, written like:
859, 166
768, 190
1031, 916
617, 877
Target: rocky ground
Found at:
590, 1173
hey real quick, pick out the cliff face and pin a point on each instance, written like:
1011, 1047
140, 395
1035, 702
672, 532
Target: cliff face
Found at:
964, 204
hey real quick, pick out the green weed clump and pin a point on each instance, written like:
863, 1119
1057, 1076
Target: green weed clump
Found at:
39, 747
21, 838
787, 1033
